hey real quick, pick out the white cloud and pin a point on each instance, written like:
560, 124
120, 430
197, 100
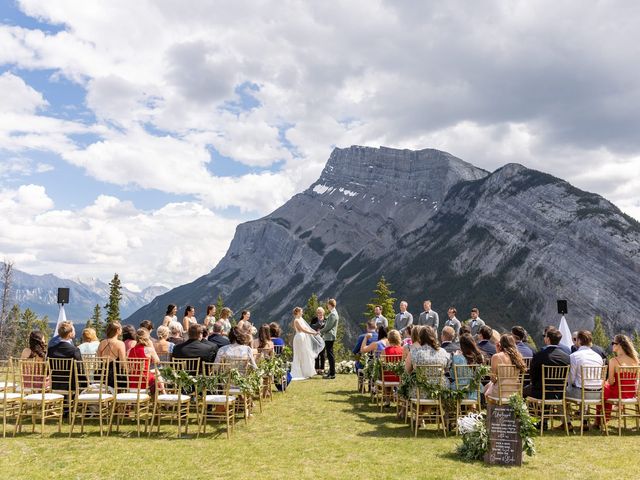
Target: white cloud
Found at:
171, 245
18, 97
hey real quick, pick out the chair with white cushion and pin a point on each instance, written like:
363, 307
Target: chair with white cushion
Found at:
587, 406
216, 401
93, 398
132, 399
9, 397
422, 407
37, 401
627, 404
174, 403
385, 388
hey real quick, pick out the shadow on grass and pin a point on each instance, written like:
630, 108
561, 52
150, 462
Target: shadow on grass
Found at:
385, 424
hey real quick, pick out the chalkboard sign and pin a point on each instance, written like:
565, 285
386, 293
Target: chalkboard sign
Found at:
505, 444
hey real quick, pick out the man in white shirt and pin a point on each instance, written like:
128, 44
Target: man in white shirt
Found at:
584, 356
380, 320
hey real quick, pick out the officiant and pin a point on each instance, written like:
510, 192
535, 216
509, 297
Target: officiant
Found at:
317, 323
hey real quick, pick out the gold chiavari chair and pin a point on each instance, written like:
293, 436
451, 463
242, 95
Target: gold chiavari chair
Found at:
423, 408
62, 379
463, 375
590, 403
38, 402
174, 403
244, 401
132, 398
9, 397
388, 382
216, 402
553, 402
509, 381
627, 404
92, 397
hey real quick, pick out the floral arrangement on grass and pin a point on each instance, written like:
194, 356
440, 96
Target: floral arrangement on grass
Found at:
346, 367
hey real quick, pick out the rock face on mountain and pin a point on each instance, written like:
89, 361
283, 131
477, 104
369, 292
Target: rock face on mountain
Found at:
40, 294
510, 242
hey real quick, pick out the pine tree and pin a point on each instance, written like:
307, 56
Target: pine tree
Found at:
635, 338
96, 322
383, 298
219, 305
115, 295
310, 309
11, 332
7, 328
600, 336
28, 321
340, 350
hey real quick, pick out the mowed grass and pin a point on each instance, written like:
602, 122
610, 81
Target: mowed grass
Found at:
319, 429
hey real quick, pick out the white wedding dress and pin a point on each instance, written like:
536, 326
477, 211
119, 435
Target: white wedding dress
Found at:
306, 347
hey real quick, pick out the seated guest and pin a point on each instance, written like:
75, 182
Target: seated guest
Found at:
469, 354
377, 346
143, 349
584, 356
370, 328
428, 353
194, 347
238, 348
414, 341
128, 337
495, 337
625, 356
64, 349
175, 334
506, 354
393, 353
564, 348
484, 343
37, 351
520, 336
408, 340
551, 355
163, 346
36, 348
148, 324
112, 349
447, 335
464, 328
90, 342
218, 337
264, 343
274, 330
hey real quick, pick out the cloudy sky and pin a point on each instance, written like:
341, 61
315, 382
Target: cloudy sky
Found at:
135, 136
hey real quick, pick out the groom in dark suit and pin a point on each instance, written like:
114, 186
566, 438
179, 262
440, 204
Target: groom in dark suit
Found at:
329, 332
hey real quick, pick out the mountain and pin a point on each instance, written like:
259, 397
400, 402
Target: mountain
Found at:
40, 294
510, 242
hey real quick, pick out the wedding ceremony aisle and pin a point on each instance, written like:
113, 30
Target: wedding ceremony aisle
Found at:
318, 429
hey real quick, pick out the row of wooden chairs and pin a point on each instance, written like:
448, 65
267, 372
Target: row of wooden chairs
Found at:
116, 391
554, 404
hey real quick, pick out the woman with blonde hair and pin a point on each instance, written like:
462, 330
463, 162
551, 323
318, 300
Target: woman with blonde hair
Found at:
143, 349
225, 314
306, 346
163, 346
90, 342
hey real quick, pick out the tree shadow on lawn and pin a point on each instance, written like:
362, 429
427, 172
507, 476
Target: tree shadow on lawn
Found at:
385, 423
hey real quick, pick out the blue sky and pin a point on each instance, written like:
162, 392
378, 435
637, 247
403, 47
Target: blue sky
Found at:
134, 137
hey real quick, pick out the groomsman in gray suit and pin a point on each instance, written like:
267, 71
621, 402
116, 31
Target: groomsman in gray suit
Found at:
403, 319
429, 317
329, 333
475, 323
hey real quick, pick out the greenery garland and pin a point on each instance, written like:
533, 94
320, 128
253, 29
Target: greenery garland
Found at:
248, 383
527, 423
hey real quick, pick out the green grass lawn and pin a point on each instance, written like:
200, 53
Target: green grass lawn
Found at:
318, 429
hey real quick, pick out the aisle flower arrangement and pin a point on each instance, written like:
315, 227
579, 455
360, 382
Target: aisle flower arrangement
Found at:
346, 367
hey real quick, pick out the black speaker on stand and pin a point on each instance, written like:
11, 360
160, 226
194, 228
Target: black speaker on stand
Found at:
63, 296
562, 307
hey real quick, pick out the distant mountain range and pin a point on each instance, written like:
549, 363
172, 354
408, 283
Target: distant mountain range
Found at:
510, 241
40, 294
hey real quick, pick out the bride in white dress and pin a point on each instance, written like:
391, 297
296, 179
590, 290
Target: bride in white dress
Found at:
307, 345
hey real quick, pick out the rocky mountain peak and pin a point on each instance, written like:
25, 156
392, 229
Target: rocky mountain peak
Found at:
426, 174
